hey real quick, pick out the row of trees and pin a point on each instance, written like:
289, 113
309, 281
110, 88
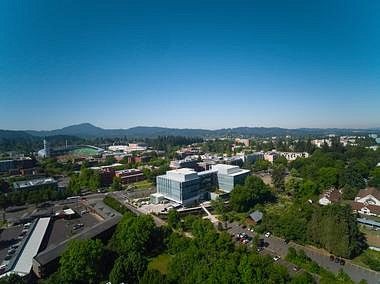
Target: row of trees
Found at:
31, 197
252, 192
348, 168
332, 227
86, 179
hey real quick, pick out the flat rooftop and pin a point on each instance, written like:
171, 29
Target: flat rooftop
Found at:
181, 175
33, 182
55, 251
229, 169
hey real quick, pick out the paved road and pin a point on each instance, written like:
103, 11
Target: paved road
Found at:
279, 247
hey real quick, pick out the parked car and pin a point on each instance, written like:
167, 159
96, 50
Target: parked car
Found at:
276, 258
337, 260
296, 268
342, 262
332, 258
77, 226
2, 268
267, 234
15, 246
11, 251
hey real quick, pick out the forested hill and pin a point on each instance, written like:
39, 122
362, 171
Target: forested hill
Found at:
87, 130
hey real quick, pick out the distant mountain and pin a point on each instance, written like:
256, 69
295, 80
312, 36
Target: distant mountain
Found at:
14, 134
81, 130
87, 130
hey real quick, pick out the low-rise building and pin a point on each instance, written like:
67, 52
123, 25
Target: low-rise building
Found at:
16, 164
256, 216
130, 175
332, 195
34, 184
271, 156
185, 163
243, 141
369, 195
131, 147
253, 157
367, 202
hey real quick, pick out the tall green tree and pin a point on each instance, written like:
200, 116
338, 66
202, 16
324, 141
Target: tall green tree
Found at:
128, 269
278, 176
81, 262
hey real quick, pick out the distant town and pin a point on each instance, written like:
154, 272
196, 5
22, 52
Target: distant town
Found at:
310, 204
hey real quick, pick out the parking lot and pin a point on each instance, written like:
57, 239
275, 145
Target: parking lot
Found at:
8, 237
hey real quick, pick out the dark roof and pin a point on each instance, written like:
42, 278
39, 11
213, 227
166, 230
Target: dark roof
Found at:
52, 253
369, 191
333, 194
256, 216
372, 208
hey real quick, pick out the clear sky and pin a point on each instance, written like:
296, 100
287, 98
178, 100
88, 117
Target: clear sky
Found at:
198, 64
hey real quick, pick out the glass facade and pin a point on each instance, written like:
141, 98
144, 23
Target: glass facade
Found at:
178, 191
228, 182
188, 187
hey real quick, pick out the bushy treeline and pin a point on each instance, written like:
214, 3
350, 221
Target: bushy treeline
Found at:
203, 256
332, 227
167, 143
218, 146
346, 168
86, 179
253, 191
16, 198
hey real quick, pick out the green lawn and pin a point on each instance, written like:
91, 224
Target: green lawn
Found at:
160, 263
370, 259
144, 184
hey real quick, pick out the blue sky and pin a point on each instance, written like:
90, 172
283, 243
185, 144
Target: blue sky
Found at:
198, 64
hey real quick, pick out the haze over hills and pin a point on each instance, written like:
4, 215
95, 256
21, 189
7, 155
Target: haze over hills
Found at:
87, 130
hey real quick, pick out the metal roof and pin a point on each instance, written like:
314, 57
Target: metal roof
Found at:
368, 222
256, 216
24, 263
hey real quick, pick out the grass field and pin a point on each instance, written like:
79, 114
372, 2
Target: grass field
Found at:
160, 263
373, 237
370, 259
84, 151
144, 184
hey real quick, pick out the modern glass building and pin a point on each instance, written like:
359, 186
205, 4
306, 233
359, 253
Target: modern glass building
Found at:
229, 176
181, 186
186, 186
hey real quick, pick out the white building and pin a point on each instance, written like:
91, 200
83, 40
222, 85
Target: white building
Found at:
131, 147
368, 195
332, 195
367, 202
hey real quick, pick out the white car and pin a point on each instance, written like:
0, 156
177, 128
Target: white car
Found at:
267, 234
276, 258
